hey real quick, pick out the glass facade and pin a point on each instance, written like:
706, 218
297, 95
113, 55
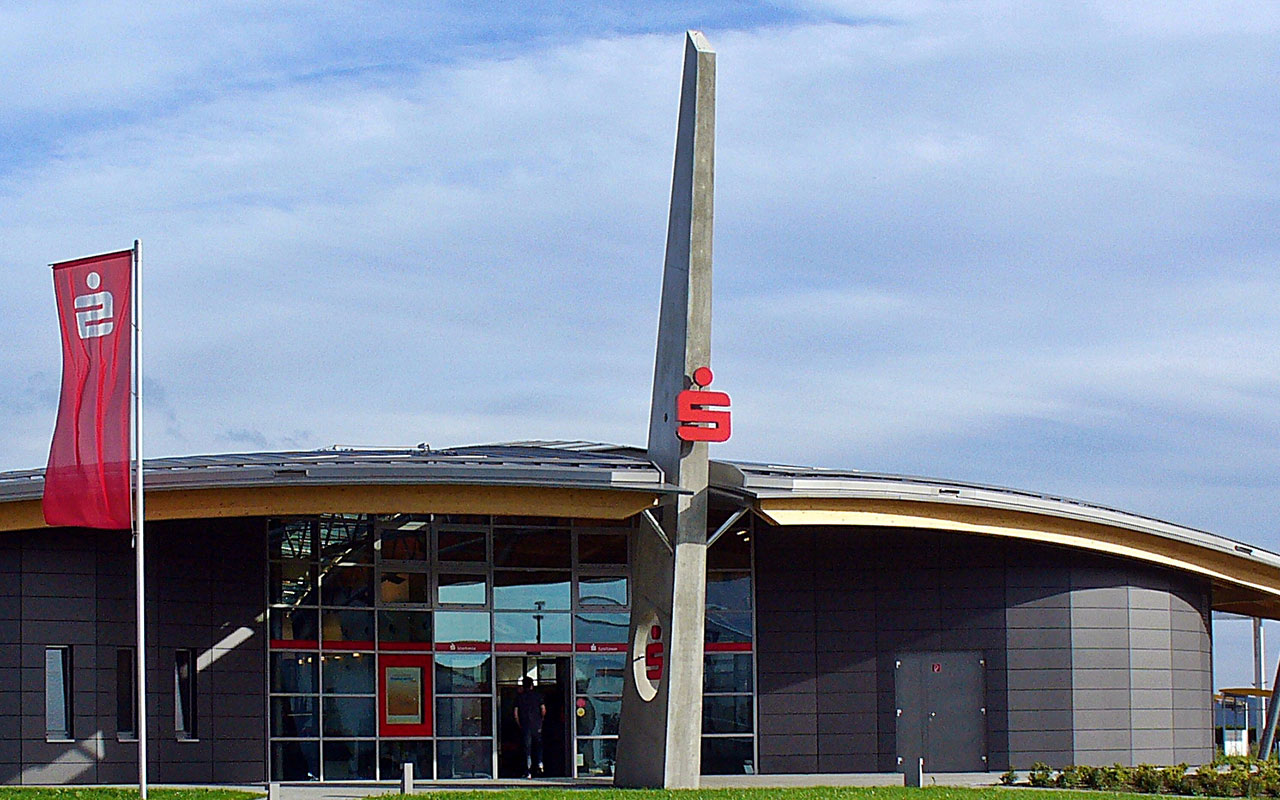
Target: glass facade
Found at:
363, 606
401, 638
728, 680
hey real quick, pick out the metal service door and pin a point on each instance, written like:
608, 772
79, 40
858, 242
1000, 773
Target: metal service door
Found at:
940, 711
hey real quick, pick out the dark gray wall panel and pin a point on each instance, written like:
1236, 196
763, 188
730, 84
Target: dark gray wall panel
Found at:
205, 580
1087, 656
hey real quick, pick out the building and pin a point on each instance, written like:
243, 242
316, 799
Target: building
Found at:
337, 613
334, 615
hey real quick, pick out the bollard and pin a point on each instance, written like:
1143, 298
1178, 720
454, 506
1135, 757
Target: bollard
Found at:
273, 791
406, 778
913, 775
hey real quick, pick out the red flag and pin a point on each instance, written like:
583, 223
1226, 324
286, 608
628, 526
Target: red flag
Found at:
87, 481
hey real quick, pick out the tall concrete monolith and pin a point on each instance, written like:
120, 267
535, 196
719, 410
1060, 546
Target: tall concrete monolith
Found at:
659, 743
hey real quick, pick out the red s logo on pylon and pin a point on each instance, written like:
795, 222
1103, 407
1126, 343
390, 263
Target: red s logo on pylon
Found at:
698, 422
653, 655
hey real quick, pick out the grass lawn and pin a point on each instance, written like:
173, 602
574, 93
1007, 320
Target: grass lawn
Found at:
813, 793
100, 793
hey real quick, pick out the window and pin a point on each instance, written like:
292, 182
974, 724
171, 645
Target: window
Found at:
184, 693
126, 696
57, 692
728, 702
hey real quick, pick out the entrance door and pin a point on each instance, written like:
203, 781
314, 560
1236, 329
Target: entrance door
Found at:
940, 710
552, 676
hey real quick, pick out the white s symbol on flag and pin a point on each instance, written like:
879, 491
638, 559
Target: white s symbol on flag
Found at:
95, 312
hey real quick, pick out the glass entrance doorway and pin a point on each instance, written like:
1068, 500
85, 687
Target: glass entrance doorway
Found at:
551, 679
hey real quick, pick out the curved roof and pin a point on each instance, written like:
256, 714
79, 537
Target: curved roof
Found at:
600, 480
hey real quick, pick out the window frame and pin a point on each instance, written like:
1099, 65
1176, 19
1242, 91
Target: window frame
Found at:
185, 728
66, 666
127, 681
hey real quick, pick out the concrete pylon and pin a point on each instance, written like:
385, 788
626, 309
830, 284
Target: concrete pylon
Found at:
660, 739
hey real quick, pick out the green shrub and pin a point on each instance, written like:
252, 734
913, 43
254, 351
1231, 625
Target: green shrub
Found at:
1204, 781
1115, 777
1147, 779
1267, 778
1072, 777
1009, 778
1175, 780
1092, 777
1040, 775
1234, 782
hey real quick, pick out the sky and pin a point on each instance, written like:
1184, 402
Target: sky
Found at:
1031, 245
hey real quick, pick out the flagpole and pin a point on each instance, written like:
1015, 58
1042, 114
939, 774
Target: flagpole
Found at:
139, 520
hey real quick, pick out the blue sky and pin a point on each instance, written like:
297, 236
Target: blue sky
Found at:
1029, 245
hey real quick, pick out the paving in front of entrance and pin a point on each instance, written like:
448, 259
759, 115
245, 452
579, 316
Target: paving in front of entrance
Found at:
338, 791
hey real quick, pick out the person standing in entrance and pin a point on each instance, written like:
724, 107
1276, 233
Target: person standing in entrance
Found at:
530, 712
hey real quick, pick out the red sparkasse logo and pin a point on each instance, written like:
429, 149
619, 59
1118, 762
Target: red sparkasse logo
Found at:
653, 660
699, 422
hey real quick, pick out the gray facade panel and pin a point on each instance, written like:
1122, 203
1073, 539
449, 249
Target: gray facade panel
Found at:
77, 590
1098, 617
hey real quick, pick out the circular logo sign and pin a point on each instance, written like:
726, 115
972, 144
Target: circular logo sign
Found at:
648, 658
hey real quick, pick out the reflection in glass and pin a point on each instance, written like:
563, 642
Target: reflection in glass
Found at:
404, 537
462, 673
464, 716
295, 761
294, 624
404, 626
532, 590
345, 761
468, 759
728, 626
727, 756
347, 586
293, 583
596, 757
601, 628
530, 627
462, 626
510, 671
602, 590
347, 673
602, 548
726, 714
291, 538
470, 590
295, 672
599, 673
525, 547
295, 717
398, 752
350, 716
598, 716
57, 692
405, 587
463, 545
346, 538
727, 672
729, 591
347, 626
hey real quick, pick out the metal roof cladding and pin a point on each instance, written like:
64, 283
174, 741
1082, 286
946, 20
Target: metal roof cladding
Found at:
597, 465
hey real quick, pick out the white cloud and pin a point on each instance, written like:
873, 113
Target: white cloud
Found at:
1022, 245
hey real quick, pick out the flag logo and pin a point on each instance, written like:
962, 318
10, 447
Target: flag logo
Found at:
95, 312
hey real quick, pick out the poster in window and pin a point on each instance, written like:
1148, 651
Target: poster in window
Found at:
404, 695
